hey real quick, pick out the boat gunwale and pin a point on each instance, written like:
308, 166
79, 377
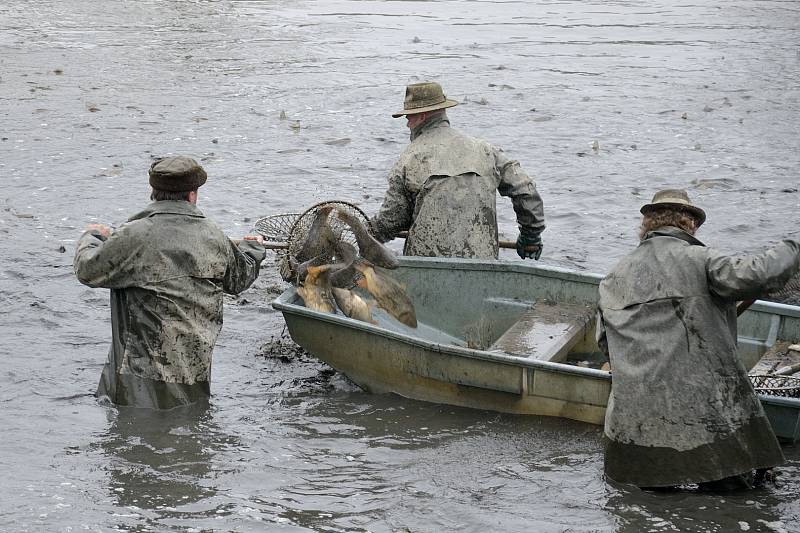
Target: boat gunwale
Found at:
552, 271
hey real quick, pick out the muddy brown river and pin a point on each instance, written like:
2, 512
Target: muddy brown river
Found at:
287, 103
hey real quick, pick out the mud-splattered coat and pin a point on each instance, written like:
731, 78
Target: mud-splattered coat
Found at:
443, 191
167, 268
682, 409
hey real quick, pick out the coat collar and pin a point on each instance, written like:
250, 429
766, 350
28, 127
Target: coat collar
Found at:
168, 207
438, 122
672, 231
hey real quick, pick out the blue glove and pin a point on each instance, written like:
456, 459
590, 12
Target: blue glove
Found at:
529, 247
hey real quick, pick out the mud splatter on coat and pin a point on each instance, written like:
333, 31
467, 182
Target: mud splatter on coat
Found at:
682, 409
167, 268
443, 191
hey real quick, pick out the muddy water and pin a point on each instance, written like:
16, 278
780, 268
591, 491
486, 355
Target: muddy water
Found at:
702, 95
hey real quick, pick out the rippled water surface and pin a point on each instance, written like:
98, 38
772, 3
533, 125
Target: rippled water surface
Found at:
702, 95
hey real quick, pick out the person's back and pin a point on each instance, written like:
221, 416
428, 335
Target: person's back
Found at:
453, 179
441, 150
167, 268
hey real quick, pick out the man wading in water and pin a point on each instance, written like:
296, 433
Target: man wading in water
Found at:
442, 190
167, 268
682, 409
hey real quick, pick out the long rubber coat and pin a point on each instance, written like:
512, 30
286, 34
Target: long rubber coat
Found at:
682, 409
167, 268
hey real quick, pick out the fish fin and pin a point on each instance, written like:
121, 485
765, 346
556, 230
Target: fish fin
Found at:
301, 291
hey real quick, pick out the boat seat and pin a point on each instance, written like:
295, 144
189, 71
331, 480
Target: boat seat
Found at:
546, 331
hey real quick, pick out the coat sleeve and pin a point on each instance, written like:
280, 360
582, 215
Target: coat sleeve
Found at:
397, 210
744, 277
106, 262
517, 185
244, 261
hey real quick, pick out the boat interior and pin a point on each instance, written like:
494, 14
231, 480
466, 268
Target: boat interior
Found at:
544, 313
548, 318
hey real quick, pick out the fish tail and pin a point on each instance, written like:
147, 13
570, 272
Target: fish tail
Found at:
344, 216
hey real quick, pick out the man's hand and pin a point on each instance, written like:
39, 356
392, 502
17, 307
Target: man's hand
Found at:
529, 247
104, 231
258, 238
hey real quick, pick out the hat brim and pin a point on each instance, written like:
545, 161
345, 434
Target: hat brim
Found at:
698, 213
443, 105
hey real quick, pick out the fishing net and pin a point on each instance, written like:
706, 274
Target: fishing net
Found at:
292, 229
787, 386
276, 228
789, 293
299, 230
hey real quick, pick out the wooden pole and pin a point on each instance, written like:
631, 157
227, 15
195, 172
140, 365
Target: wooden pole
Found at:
742, 306
503, 244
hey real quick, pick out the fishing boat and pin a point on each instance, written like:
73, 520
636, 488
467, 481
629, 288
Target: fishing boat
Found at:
503, 336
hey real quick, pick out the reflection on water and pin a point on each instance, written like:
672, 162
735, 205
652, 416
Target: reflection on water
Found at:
691, 511
161, 463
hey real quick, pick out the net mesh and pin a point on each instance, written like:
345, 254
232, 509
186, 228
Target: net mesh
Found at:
276, 228
789, 293
787, 386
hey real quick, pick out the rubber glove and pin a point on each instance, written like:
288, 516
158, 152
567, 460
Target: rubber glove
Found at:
529, 246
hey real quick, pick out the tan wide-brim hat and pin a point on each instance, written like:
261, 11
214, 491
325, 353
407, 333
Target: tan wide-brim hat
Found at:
674, 199
423, 97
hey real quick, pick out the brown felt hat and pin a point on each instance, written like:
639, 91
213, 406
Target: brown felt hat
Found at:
176, 174
422, 97
676, 199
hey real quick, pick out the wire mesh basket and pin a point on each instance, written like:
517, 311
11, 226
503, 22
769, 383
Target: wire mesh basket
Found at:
786, 386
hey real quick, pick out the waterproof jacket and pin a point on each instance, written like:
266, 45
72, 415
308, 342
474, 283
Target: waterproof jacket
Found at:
682, 409
443, 191
167, 268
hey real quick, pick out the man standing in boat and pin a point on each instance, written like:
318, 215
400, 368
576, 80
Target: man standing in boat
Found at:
442, 190
682, 409
167, 268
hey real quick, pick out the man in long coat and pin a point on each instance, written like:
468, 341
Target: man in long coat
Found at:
682, 409
442, 190
167, 268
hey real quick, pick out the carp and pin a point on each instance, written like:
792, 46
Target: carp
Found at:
320, 241
353, 305
343, 278
345, 252
389, 294
316, 290
369, 247
301, 269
